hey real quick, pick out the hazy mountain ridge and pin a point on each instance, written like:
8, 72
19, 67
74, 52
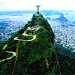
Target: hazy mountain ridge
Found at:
61, 19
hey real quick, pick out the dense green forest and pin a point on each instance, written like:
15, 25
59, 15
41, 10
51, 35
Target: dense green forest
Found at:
32, 50
66, 60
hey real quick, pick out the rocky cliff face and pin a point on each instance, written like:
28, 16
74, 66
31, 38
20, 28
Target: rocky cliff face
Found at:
32, 50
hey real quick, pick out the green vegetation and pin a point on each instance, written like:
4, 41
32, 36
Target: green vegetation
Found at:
66, 60
3, 55
6, 67
25, 37
32, 57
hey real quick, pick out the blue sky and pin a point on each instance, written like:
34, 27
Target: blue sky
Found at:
6, 5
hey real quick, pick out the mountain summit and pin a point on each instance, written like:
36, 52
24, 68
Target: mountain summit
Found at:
31, 50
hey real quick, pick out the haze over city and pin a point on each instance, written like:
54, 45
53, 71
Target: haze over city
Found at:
8, 5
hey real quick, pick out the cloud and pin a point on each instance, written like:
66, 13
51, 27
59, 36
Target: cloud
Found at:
16, 4
30, 4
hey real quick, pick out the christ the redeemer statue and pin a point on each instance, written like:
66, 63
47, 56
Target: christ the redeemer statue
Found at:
37, 8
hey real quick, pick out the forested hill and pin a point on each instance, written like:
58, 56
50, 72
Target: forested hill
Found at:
30, 51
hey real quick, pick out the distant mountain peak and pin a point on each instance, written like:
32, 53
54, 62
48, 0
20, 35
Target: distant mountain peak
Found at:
62, 18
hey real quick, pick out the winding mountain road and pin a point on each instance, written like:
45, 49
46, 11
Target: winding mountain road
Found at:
13, 54
34, 37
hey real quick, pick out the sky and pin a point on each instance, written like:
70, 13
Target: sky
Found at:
11, 5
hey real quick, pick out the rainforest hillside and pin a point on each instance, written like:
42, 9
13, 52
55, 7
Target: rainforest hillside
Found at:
30, 51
